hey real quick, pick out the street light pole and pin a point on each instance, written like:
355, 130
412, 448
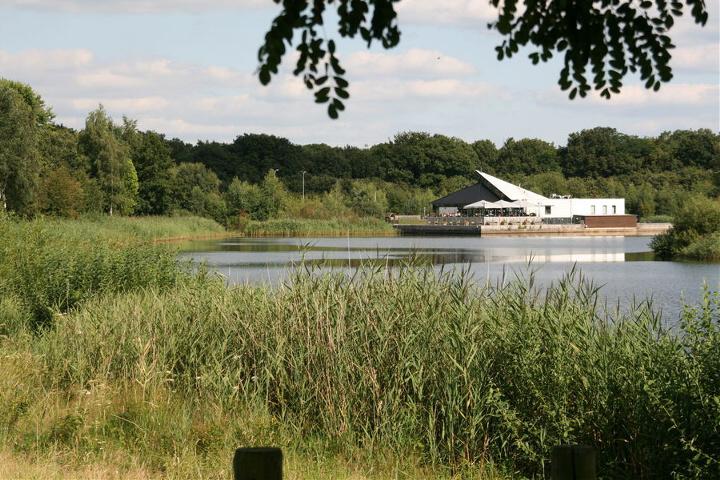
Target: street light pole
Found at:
303, 185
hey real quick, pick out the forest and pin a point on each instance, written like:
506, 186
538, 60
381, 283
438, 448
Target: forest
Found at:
112, 166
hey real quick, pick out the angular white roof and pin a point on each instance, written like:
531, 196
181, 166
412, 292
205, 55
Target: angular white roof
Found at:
513, 192
498, 204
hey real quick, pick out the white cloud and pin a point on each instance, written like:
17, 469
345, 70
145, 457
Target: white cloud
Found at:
413, 62
393, 92
139, 104
463, 12
218, 102
635, 97
134, 6
107, 79
701, 58
451, 88
672, 94
45, 59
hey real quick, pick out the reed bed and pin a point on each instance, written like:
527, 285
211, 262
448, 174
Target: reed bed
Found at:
114, 354
50, 266
311, 228
143, 228
409, 363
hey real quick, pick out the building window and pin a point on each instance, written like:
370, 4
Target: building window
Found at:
604, 209
592, 209
548, 209
614, 209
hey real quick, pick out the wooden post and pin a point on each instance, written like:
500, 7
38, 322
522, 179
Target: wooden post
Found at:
574, 462
258, 464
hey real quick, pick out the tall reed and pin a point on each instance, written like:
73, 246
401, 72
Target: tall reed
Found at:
307, 227
413, 361
53, 265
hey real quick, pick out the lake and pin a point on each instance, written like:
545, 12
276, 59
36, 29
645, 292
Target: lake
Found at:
623, 266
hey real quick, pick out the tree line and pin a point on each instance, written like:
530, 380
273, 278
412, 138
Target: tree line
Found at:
116, 168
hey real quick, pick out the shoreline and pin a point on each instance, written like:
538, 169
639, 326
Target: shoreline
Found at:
399, 230
641, 230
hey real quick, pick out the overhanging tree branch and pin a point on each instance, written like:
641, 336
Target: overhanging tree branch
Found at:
610, 38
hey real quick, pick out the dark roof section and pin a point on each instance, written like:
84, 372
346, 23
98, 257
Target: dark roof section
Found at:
466, 196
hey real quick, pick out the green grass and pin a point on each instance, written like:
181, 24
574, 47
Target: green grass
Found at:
161, 374
141, 228
308, 228
52, 265
412, 366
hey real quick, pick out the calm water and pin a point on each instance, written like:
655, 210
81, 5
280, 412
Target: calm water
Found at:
623, 266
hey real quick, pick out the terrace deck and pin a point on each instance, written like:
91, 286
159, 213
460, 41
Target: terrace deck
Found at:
641, 229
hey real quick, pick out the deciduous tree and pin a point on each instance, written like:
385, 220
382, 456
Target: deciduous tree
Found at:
21, 119
110, 162
601, 41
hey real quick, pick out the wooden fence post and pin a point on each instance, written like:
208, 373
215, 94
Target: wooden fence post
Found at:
573, 462
258, 464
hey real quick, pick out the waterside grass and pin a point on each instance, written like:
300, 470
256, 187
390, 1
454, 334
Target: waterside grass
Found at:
407, 373
385, 366
52, 265
365, 226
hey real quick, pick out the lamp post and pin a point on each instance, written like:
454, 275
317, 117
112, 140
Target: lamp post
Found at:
303, 185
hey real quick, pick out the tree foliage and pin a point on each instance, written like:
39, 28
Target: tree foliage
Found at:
110, 162
55, 170
19, 158
150, 155
601, 41
526, 156
697, 225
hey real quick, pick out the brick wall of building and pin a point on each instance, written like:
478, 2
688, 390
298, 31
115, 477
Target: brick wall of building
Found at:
610, 221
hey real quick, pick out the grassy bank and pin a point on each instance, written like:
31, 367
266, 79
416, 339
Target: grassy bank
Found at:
50, 265
142, 228
156, 373
309, 228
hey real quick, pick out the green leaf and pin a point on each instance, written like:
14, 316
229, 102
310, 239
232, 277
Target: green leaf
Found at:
264, 76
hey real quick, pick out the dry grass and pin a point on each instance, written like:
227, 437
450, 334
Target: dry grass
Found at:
22, 467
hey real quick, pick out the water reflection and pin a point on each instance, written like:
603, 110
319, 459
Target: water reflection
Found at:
624, 266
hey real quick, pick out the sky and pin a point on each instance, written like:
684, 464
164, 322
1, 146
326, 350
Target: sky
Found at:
186, 68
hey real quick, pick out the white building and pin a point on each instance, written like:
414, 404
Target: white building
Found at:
491, 189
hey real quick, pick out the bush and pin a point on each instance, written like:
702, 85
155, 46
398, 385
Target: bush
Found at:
704, 248
692, 234
657, 219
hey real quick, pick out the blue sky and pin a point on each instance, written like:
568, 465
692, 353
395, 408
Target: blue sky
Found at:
185, 68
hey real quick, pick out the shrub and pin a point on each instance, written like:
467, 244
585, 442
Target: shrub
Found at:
698, 218
657, 219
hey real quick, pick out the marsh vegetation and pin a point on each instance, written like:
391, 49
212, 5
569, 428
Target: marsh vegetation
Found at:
113, 353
